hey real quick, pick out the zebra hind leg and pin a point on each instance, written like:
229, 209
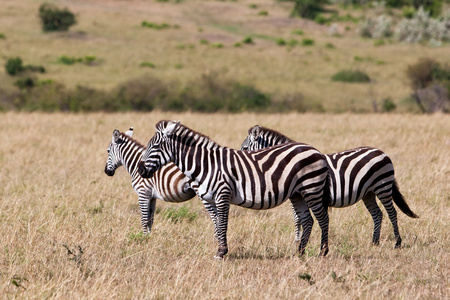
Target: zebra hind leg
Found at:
377, 216
223, 208
386, 199
302, 218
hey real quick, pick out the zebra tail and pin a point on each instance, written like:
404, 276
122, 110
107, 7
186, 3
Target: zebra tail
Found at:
400, 201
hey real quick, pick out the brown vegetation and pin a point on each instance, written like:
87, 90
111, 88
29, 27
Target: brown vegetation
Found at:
69, 231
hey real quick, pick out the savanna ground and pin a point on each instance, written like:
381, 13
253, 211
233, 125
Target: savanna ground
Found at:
200, 40
69, 231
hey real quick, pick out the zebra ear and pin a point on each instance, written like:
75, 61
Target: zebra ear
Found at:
115, 136
170, 128
255, 131
129, 132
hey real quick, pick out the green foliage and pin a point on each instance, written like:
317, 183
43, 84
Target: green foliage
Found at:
281, 42
308, 9
147, 64
2, 36
408, 12
55, 19
307, 42
182, 213
263, 13
307, 277
248, 40
330, 46
14, 66
71, 60
253, 6
138, 237
421, 73
298, 32
388, 105
351, 76
155, 26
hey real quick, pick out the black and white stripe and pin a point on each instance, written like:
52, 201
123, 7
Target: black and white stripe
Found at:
168, 184
360, 173
259, 180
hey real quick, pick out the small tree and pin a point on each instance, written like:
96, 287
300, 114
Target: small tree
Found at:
14, 66
309, 9
55, 19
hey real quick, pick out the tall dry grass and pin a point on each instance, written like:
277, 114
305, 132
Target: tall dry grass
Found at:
70, 232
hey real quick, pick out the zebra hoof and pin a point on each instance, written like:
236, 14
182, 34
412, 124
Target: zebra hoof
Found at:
377, 243
398, 244
220, 253
323, 251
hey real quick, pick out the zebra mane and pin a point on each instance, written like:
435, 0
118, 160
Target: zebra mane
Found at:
183, 131
124, 136
275, 134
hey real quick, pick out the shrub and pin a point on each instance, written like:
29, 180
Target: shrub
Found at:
2, 36
147, 64
388, 105
55, 19
423, 28
308, 8
351, 76
378, 28
307, 42
154, 25
14, 66
281, 42
248, 40
431, 85
263, 13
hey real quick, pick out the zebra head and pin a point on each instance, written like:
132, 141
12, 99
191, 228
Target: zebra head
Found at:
158, 152
251, 141
114, 158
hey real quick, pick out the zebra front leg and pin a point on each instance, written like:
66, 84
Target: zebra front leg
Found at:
223, 208
377, 216
212, 210
147, 207
304, 219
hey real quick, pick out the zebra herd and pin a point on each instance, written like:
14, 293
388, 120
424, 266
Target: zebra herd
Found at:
179, 163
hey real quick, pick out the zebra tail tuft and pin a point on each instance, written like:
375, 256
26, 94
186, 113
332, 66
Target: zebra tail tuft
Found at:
400, 201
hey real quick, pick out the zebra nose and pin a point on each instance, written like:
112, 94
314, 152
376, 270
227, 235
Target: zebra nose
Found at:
109, 172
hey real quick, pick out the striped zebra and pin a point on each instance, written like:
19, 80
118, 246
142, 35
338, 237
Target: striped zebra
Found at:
168, 184
259, 180
360, 173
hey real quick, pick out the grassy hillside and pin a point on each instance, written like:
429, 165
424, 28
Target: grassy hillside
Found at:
68, 231
200, 40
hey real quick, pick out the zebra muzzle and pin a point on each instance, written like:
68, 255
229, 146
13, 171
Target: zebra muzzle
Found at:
109, 172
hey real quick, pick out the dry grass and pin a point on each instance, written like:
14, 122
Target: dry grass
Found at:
111, 31
69, 231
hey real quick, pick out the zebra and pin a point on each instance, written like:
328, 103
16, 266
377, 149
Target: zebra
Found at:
355, 174
168, 184
258, 180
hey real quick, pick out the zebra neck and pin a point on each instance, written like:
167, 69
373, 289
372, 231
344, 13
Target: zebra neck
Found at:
131, 158
189, 148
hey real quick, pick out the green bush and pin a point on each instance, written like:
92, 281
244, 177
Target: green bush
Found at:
14, 66
309, 8
147, 64
248, 40
55, 19
2, 36
351, 76
154, 25
388, 105
307, 42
